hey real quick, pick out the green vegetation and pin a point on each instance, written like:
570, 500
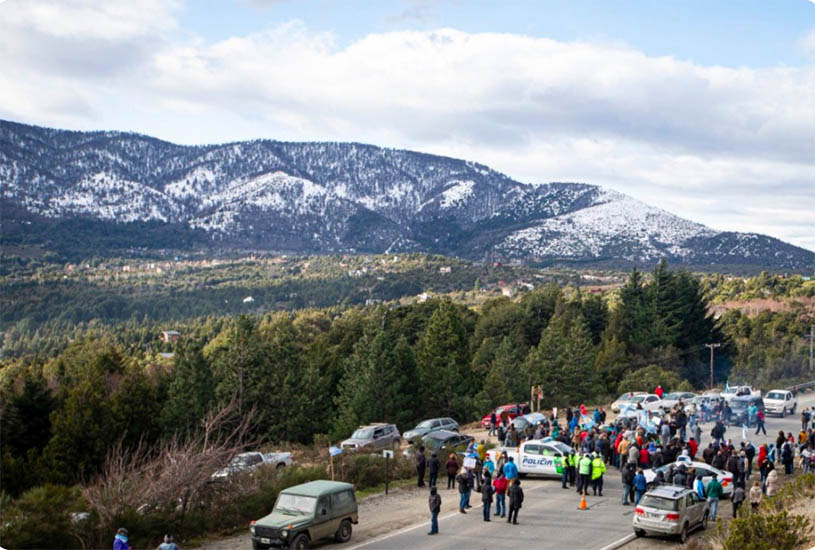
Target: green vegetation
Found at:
310, 376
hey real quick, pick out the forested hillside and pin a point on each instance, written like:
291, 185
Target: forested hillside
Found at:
315, 374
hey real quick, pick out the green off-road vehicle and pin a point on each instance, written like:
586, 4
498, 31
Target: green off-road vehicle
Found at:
307, 513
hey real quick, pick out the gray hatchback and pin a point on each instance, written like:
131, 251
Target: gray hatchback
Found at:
670, 510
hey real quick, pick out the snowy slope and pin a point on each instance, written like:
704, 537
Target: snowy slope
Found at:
330, 197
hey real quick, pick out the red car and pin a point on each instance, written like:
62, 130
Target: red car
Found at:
512, 412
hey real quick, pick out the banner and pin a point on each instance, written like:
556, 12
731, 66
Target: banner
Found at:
334, 451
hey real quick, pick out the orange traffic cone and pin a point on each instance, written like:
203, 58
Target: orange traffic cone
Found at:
583, 502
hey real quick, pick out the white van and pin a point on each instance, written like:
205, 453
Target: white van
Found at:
780, 402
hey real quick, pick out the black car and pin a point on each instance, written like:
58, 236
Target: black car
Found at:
739, 406
446, 440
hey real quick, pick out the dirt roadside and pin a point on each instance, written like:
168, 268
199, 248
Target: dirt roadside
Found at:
378, 515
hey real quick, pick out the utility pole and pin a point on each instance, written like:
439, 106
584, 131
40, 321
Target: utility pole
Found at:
811, 338
712, 347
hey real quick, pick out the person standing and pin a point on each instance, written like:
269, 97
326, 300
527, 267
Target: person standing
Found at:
120, 540
486, 496
433, 469
168, 544
500, 485
772, 483
584, 469
420, 467
639, 486
510, 470
659, 391
714, 493
737, 499
434, 501
628, 483
755, 496
598, 468
452, 469
516, 499
493, 423
463, 492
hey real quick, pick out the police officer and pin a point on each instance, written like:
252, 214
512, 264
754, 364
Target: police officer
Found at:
598, 468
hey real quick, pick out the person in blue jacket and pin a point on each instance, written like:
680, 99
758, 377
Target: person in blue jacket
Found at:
639, 486
510, 470
120, 542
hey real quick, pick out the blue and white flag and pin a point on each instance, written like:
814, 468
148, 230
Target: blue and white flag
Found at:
334, 451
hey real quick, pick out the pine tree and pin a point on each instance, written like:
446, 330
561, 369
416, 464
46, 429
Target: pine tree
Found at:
191, 389
442, 358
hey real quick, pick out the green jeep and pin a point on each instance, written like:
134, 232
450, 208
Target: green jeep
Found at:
307, 513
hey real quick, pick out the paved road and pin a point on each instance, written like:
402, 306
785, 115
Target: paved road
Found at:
550, 518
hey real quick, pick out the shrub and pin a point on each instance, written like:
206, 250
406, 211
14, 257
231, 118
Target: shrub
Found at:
766, 531
41, 518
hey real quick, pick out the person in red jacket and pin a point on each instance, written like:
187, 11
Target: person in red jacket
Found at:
693, 447
645, 458
659, 391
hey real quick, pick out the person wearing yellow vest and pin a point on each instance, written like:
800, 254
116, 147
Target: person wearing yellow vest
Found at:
598, 468
481, 450
584, 469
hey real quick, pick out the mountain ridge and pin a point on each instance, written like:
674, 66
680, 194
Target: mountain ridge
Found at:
327, 197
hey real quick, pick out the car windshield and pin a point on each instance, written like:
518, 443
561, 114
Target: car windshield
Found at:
295, 504
671, 396
775, 395
660, 503
730, 390
363, 433
738, 405
425, 424
638, 398
624, 397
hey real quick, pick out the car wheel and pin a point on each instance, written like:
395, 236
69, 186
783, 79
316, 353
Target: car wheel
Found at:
280, 466
344, 532
639, 532
783, 412
683, 535
793, 408
704, 521
300, 542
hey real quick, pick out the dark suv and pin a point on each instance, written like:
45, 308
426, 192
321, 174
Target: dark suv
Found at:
739, 406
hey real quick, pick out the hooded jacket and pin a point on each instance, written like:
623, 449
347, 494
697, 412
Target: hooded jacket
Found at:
516, 495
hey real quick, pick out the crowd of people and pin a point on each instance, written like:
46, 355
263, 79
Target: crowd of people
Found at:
632, 443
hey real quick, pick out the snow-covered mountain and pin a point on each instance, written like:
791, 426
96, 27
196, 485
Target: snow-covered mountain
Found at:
333, 197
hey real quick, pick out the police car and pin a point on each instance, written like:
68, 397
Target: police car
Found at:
543, 457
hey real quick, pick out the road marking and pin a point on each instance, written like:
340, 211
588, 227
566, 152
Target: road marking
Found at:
622, 542
412, 527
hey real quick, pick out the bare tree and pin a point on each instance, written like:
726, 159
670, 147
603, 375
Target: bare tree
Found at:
174, 476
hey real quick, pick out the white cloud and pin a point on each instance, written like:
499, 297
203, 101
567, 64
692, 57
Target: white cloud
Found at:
706, 142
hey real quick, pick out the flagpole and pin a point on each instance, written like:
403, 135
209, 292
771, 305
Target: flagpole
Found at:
331, 458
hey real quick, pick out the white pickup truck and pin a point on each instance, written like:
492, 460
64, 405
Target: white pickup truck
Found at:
542, 457
740, 391
251, 460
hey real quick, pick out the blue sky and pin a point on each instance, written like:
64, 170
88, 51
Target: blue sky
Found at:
755, 33
705, 109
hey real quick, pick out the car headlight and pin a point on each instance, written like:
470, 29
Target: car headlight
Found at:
252, 529
284, 533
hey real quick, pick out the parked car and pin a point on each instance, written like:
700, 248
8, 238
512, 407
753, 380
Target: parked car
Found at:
307, 513
443, 440
739, 406
780, 402
373, 437
512, 411
670, 510
740, 391
521, 422
649, 401
670, 400
254, 459
624, 399
542, 457
707, 471
431, 425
